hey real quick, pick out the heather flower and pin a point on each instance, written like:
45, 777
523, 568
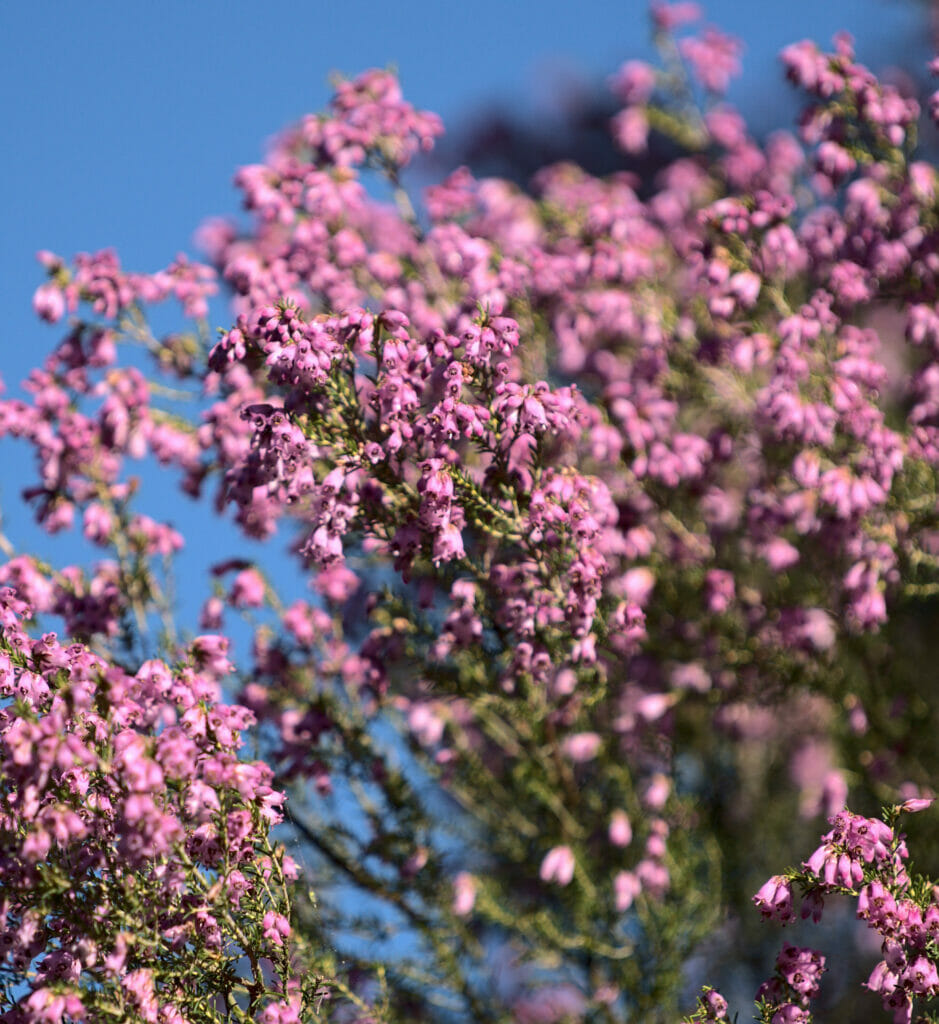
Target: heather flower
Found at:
558, 866
774, 900
669, 16
620, 830
276, 928
582, 746
634, 82
247, 590
714, 58
464, 894
626, 887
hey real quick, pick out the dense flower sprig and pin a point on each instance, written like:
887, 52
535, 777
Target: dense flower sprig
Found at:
137, 864
865, 859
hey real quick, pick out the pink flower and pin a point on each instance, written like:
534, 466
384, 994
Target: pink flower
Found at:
558, 866
276, 928
620, 831
211, 615
626, 887
657, 792
774, 900
49, 302
211, 653
922, 977
47, 1006
139, 990
464, 894
426, 723
630, 129
247, 590
281, 1012
668, 16
714, 58
917, 804
634, 82
582, 746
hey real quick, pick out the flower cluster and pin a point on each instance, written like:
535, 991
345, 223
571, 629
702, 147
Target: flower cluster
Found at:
136, 857
863, 858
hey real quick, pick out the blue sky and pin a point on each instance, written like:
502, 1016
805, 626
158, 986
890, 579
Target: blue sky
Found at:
124, 122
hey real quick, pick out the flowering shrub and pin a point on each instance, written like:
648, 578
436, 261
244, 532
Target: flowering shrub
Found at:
618, 502
137, 861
